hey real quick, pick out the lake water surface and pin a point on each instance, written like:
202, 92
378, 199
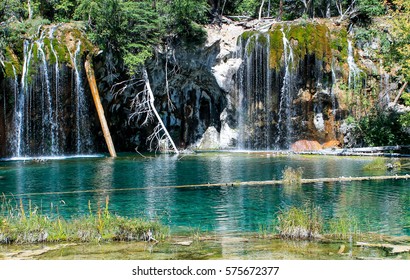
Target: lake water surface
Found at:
132, 185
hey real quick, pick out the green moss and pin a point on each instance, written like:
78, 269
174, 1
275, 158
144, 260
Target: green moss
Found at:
339, 45
262, 39
10, 61
312, 39
246, 35
276, 48
62, 52
250, 45
8, 69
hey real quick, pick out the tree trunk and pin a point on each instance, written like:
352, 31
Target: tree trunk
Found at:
30, 11
151, 100
96, 97
400, 93
260, 9
280, 10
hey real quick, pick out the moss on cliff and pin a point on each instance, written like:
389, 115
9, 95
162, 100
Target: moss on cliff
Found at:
276, 47
305, 39
310, 39
338, 44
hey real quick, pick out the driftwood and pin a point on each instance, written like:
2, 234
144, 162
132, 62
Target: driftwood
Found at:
96, 97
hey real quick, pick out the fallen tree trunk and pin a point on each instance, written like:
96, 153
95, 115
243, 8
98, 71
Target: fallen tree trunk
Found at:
225, 184
96, 97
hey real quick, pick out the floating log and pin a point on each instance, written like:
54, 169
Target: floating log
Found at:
231, 184
96, 97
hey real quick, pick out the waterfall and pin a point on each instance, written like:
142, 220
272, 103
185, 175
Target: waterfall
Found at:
83, 135
384, 95
57, 105
284, 124
19, 113
49, 119
48, 131
354, 70
253, 93
283, 88
263, 94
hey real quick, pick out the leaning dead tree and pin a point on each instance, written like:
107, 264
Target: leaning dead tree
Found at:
144, 111
97, 102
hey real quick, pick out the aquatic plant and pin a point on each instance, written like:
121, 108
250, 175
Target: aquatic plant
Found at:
18, 225
300, 223
292, 177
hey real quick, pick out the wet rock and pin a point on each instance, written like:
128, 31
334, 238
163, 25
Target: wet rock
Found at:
306, 145
210, 140
332, 144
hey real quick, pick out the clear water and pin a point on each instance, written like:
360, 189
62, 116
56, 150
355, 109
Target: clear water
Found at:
380, 206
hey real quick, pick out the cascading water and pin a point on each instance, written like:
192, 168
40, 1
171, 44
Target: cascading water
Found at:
44, 110
57, 104
83, 136
284, 124
384, 95
283, 88
263, 95
48, 125
254, 98
20, 109
354, 70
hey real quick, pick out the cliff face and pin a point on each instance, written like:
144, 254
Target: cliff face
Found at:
252, 89
246, 88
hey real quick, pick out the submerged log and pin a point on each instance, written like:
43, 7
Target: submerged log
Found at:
96, 97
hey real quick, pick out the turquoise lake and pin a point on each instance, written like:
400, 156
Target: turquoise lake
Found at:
67, 185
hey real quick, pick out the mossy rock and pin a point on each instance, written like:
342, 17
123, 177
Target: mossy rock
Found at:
310, 39
276, 48
305, 39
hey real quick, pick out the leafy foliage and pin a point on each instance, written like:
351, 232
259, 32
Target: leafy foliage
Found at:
127, 28
182, 19
382, 129
401, 34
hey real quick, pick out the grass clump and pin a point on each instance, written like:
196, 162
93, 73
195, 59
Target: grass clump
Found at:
292, 177
343, 227
307, 223
381, 164
300, 223
23, 227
